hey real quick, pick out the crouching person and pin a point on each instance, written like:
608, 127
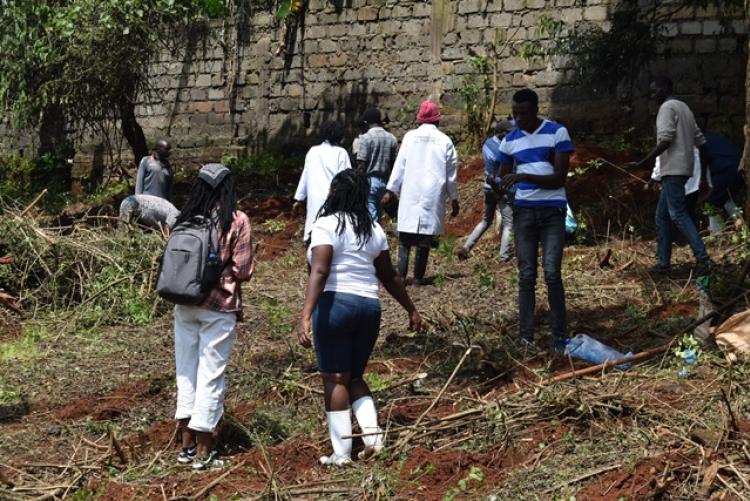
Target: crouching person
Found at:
213, 241
348, 255
148, 210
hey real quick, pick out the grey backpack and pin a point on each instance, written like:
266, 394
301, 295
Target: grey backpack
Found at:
190, 265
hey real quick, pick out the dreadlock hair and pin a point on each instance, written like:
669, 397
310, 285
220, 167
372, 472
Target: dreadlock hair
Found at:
347, 199
204, 199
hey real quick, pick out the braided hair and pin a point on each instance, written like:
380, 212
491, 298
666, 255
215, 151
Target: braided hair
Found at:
204, 200
347, 199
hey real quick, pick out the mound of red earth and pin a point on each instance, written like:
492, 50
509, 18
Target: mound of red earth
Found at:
108, 406
643, 481
274, 227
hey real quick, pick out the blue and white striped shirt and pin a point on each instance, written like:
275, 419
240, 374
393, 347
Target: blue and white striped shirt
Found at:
490, 155
533, 154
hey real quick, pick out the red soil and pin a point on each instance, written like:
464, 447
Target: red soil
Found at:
274, 211
639, 482
410, 412
111, 405
471, 169
400, 366
10, 329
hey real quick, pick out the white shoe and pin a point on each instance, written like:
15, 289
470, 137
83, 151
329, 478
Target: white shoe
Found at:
334, 460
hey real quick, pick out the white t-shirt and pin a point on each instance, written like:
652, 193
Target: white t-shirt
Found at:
693, 183
352, 268
322, 163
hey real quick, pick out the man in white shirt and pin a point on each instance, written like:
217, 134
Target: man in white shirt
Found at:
424, 173
322, 163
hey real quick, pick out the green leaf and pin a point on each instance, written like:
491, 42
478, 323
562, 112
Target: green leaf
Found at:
285, 8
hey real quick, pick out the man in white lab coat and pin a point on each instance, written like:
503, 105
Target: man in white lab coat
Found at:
322, 163
424, 173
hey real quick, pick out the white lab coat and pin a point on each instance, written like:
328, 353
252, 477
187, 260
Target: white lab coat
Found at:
322, 163
424, 172
693, 183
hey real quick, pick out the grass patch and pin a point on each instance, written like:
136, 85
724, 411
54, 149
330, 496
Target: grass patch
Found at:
26, 347
376, 382
278, 315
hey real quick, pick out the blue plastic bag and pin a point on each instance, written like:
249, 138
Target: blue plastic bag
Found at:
586, 348
571, 225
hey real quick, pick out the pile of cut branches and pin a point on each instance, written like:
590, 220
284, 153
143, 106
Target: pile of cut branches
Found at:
92, 274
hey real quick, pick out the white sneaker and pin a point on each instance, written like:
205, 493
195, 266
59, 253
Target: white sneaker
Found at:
210, 462
334, 460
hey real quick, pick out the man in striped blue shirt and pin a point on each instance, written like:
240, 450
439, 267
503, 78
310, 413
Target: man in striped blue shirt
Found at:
540, 150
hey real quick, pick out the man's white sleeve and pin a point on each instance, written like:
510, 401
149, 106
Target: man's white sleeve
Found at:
301, 193
452, 171
397, 175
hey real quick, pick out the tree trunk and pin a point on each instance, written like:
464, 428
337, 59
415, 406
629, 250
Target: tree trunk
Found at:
745, 162
132, 130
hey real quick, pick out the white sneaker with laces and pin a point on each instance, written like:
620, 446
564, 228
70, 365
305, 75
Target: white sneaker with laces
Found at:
210, 462
334, 460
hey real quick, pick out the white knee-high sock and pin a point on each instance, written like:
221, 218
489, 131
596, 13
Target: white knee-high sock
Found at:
367, 417
339, 425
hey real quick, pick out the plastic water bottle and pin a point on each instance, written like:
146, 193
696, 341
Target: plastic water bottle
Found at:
689, 357
586, 348
212, 258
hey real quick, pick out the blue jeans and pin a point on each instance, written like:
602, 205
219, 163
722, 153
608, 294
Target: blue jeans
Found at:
673, 207
345, 328
377, 190
531, 227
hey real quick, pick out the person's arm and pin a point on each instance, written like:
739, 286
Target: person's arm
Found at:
139, 177
396, 179
320, 268
666, 131
452, 176
242, 252
555, 180
649, 159
363, 154
301, 194
560, 165
170, 191
392, 282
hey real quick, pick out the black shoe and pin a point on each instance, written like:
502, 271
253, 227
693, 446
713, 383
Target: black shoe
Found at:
559, 344
704, 267
462, 254
187, 455
660, 268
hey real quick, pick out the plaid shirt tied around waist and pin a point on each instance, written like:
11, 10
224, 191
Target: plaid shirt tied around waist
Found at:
236, 252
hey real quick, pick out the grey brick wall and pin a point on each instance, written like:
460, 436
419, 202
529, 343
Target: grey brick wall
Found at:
394, 53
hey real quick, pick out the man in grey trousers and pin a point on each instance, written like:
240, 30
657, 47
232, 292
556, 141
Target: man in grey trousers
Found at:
494, 199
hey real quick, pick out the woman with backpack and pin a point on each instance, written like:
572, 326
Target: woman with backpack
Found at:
205, 333
349, 256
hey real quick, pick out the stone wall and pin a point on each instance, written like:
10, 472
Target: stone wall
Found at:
264, 86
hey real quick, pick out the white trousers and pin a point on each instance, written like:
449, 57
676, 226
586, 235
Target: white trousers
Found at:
203, 341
